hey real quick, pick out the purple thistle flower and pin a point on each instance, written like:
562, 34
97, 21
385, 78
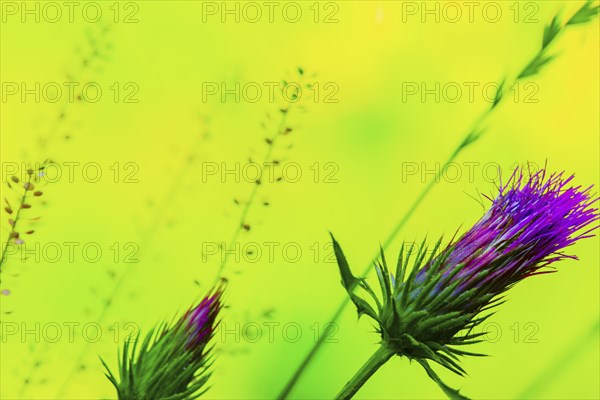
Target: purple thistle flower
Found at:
525, 230
172, 361
200, 322
423, 315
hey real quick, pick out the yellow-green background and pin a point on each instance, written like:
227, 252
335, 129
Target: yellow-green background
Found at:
369, 133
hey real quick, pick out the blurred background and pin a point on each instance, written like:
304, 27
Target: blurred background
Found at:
156, 115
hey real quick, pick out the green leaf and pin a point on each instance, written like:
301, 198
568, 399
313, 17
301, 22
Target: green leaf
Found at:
584, 14
432, 277
535, 65
426, 351
435, 322
400, 270
365, 286
350, 282
465, 353
452, 394
470, 138
110, 375
469, 338
383, 274
446, 294
551, 31
499, 95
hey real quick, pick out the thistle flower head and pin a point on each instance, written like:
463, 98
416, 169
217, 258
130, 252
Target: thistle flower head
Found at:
198, 323
524, 231
448, 290
173, 360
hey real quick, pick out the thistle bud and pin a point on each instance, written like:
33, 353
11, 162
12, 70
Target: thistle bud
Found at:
173, 360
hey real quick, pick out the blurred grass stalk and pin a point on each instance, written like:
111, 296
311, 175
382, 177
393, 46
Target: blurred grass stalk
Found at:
281, 130
14, 235
99, 50
147, 238
551, 31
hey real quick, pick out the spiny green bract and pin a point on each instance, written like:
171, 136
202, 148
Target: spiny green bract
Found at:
171, 362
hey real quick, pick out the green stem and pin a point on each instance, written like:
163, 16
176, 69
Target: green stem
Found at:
380, 357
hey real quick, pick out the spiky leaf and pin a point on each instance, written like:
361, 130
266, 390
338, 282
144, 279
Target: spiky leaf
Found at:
550, 31
350, 282
584, 14
453, 394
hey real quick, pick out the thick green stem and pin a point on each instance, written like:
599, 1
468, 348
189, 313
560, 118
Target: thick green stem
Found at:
380, 357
